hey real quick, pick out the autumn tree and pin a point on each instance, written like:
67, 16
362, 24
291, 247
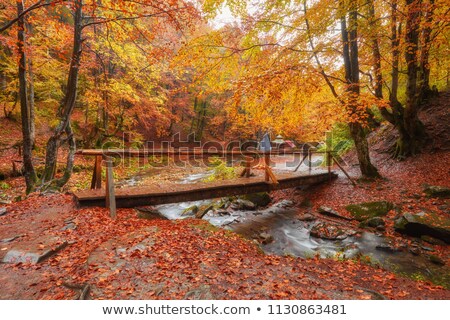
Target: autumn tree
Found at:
86, 15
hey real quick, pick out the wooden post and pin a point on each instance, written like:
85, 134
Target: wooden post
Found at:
266, 165
329, 162
96, 182
110, 195
309, 159
246, 172
248, 162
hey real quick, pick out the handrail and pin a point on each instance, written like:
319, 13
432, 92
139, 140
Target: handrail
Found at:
182, 152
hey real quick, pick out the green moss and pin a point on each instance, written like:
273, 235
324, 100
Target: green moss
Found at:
192, 209
261, 199
367, 210
4, 186
437, 192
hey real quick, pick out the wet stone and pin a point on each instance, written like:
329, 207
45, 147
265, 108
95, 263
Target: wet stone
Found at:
437, 192
330, 231
265, 238
326, 211
284, 204
222, 212
387, 247
424, 224
241, 204
34, 252
190, 211
69, 226
3, 211
202, 211
149, 213
436, 260
7, 240
307, 217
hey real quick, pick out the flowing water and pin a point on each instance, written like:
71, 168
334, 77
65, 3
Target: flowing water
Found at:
291, 236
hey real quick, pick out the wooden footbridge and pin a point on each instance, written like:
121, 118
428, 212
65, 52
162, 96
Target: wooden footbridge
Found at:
156, 194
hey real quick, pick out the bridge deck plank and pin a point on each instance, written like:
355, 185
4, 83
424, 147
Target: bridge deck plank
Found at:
155, 194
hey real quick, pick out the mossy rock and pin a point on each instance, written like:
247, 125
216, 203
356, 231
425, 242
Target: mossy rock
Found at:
203, 209
190, 211
241, 204
374, 222
261, 199
432, 240
436, 260
149, 213
437, 192
424, 223
367, 210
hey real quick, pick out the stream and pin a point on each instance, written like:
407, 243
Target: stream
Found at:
291, 236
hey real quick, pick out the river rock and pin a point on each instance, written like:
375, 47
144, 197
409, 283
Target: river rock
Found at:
432, 240
284, 204
149, 213
331, 213
261, 199
437, 192
265, 238
367, 210
11, 239
424, 223
222, 212
33, 252
307, 217
328, 231
415, 250
387, 247
436, 260
375, 222
241, 204
203, 210
190, 211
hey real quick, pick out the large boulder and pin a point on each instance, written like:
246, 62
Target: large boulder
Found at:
424, 223
261, 199
366, 210
437, 192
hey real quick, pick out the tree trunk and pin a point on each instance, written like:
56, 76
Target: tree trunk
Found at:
424, 68
31, 102
351, 64
413, 138
66, 110
29, 173
378, 85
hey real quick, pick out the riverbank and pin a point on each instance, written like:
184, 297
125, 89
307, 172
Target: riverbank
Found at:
133, 258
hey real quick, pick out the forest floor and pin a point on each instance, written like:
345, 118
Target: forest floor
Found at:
133, 258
